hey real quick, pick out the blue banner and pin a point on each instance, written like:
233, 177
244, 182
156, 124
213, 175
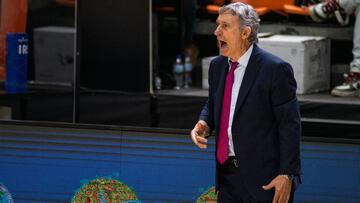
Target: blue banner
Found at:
16, 62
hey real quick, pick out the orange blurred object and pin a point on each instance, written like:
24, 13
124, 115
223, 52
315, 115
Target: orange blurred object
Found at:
283, 7
219, 2
214, 9
272, 5
291, 9
13, 16
69, 3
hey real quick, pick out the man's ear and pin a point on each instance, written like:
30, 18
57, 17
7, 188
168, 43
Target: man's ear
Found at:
246, 32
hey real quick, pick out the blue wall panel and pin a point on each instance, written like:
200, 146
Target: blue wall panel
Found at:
41, 164
331, 173
48, 164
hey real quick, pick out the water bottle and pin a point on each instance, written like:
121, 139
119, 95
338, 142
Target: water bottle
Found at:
157, 83
188, 69
178, 71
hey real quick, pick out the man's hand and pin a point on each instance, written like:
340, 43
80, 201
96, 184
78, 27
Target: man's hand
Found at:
199, 134
282, 187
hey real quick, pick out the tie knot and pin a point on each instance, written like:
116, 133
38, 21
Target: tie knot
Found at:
233, 65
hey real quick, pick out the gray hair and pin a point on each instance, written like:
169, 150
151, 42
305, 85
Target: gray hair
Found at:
247, 17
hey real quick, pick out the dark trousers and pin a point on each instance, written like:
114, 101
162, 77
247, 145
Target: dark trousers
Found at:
232, 188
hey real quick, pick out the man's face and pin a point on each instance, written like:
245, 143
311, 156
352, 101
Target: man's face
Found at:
231, 39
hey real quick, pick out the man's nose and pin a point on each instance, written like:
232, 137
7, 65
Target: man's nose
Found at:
217, 31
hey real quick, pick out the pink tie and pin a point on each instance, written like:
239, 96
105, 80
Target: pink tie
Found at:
223, 140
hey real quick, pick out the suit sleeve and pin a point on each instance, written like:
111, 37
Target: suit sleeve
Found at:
207, 112
286, 110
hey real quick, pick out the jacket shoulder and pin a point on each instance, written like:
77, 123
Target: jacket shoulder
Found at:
218, 59
269, 57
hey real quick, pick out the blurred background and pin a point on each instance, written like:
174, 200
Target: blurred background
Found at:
95, 88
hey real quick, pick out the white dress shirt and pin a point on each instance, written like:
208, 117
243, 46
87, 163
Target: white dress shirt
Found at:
238, 78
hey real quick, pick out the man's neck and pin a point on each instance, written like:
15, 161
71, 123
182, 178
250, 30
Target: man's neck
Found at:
241, 52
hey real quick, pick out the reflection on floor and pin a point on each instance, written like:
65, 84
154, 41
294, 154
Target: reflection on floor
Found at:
166, 109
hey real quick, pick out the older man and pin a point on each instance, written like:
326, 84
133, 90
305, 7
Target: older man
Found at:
253, 109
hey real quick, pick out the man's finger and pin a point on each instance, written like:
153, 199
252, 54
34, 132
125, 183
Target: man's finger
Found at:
194, 134
202, 129
282, 197
268, 186
201, 142
276, 197
285, 196
287, 199
202, 146
201, 139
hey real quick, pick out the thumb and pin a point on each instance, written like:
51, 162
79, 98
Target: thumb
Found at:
268, 186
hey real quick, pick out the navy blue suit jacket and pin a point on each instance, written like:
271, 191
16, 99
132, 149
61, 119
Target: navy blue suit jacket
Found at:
266, 125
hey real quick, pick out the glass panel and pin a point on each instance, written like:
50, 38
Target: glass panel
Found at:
38, 37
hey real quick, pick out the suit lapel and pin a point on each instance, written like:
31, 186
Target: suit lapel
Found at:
251, 73
223, 69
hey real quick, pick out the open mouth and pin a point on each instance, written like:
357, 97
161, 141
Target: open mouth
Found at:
222, 44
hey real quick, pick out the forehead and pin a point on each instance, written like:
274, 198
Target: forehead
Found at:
227, 18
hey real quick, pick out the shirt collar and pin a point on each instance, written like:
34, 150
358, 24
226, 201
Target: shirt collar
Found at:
244, 59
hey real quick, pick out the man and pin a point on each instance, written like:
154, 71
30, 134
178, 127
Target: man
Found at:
339, 8
253, 109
